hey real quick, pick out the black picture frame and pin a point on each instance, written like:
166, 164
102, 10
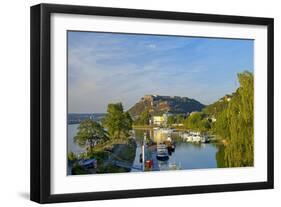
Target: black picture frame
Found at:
41, 102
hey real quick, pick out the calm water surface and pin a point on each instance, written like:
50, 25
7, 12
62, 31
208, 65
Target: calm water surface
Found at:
71, 146
186, 155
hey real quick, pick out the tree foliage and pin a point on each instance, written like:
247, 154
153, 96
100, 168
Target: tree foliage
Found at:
235, 124
171, 120
221, 126
71, 156
117, 122
197, 121
175, 119
216, 108
89, 134
144, 118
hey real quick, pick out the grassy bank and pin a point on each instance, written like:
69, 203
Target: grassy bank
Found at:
120, 152
107, 154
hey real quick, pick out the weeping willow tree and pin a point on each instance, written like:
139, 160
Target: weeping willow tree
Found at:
236, 124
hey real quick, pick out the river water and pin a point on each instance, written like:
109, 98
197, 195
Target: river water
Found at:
185, 156
71, 146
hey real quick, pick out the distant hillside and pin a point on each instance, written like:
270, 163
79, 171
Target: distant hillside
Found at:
156, 104
217, 107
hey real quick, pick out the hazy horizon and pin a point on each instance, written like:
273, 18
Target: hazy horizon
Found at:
108, 68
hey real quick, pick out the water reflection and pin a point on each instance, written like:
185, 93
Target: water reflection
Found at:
185, 156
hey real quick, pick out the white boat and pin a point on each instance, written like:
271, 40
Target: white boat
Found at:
162, 152
205, 139
195, 137
184, 135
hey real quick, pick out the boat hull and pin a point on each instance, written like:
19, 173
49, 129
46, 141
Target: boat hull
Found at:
162, 158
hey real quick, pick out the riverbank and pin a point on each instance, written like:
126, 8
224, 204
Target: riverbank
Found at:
124, 153
106, 155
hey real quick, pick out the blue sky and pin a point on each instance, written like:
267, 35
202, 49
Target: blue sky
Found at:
107, 68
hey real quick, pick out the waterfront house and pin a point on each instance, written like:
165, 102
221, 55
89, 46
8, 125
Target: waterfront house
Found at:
158, 120
161, 120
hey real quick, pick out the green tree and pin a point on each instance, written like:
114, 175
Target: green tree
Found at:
71, 156
143, 118
127, 124
89, 134
205, 125
171, 120
118, 122
221, 126
193, 121
179, 119
198, 121
236, 125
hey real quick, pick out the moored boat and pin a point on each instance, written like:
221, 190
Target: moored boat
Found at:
88, 163
196, 137
205, 139
162, 152
170, 144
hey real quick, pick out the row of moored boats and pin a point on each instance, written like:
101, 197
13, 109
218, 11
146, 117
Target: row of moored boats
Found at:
195, 137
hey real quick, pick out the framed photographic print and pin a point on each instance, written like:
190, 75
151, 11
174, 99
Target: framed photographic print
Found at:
133, 103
